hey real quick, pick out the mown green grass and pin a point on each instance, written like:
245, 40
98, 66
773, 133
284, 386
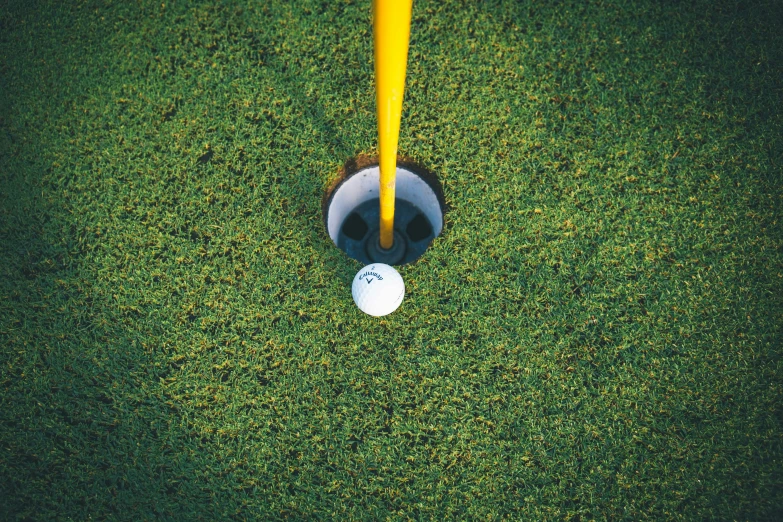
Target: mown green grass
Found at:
596, 334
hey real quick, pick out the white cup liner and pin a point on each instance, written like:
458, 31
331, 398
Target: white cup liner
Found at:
364, 186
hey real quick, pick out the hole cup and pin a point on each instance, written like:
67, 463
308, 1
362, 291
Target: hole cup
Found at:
351, 211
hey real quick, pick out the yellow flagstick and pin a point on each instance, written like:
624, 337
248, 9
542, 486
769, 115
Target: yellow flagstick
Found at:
391, 32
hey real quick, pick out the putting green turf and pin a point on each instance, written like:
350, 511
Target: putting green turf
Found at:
596, 334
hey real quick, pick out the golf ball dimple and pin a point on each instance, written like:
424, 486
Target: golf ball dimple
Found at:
378, 289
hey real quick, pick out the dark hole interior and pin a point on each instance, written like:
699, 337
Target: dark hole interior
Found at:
419, 228
354, 227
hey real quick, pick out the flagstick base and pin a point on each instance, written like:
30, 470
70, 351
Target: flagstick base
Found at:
391, 256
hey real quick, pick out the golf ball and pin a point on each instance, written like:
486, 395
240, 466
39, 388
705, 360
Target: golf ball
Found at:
378, 289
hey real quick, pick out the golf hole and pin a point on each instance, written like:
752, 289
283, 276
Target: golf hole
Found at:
351, 211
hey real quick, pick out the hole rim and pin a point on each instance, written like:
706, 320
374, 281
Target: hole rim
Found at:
357, 164
362, 162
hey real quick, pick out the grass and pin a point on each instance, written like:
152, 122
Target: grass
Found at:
595, 335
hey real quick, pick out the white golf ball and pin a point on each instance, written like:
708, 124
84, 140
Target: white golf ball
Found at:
378, 289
